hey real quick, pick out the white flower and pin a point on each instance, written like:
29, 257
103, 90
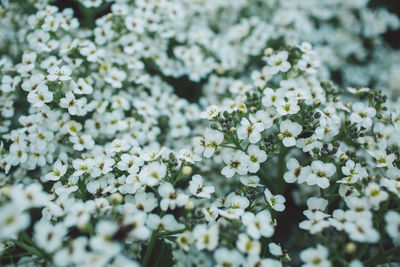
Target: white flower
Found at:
210, 113
258, 225
171, 199
134, 24
130, 163
40, 96
184, 240
250, 129
270, 97
225, 257
33, 83
362, 115
276, 202
362, 230
115, 77
212, 138
12, 220
57, 73
309, 143
316, 221
248, 246
30, 196
308, 64
250, 181
211, 213
265, 118
236, 163
296, 172
82, 142
82, 87
256, 156
144, 201
140, 231
289, 131
166, 223
28, 62
59, 170
80, 214
356, 263
74, 253
279, 62
358, 90
235, 205
197, 188
261, 78
9, 83
48, 236
375, 194
188, 156
317, 257
275, 249
82, 166
288, 107
101, 165
338, 219
206, 237
152, 173
359, 208
103, 240
326, 132
316, 203
199, 145
119, 145
70, 103
383, 159
320, 173
392, 220
353, 171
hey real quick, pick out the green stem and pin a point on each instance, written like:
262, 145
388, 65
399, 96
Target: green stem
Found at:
32, 250
362, 251
149, 249
10, 256
382, 257
160, 254
151, 245
179, 176
171, 233
281, 169
332, 192
264, 177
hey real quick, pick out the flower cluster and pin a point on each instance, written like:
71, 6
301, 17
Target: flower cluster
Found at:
102, 163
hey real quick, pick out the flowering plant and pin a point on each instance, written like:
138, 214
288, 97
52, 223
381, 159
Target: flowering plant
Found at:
103, 163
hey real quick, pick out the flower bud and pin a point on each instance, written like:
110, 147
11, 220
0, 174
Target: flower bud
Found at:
268, 51
280, 136
317, 103
186, 170
344, 157
189, 205
350, 247
5, 190
116, 198
220, 70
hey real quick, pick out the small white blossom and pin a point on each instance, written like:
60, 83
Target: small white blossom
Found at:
197, 188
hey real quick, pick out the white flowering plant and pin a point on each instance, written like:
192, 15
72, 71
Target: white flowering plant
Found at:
270, 160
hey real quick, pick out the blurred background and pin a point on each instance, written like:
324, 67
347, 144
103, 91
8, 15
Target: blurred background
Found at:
87, 19
392, 37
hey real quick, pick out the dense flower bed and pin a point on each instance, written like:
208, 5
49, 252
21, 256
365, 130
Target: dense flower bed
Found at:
284, 153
